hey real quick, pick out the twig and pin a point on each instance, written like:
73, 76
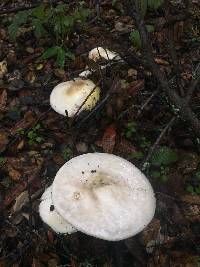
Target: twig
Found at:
173, 53
145, 163
86, 99
146, 103
194, 83
17, 9
29, 203
179, 103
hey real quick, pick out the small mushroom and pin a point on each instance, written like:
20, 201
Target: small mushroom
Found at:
100, 52
67, 97
97, 53
51, 217
104, 196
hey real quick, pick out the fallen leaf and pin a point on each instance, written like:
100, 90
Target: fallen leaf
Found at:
125, 147
161, 61
23, 124
3, 68
3, 100
3, 141
14, 175
135, 86
19, 188
109, 138
132, 73
20, 201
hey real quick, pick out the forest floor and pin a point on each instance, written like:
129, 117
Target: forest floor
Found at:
133, 116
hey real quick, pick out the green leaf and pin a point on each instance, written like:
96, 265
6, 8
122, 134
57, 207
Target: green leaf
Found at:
70, 55
150, 28
60, 60
39, 12
163, 156
128, 134
190, 189
137, 155
143, 7
135, 38
68, 21
21, 17
197, 174
50, 52
61, 8
154, 4
156, 174
39, 30
2, 161
114, 2
39, 139
12, 31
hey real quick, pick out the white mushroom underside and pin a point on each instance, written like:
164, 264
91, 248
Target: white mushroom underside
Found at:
51, 217
69, 96
104, 196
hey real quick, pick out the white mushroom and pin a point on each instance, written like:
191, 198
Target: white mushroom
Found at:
104, 196
51, 217
100, 52
67, 97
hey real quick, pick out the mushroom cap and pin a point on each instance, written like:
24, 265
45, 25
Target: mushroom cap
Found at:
99, 52
51, 217
104, 196
69, 96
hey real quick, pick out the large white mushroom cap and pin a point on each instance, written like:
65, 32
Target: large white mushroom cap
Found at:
51, 217
104, 196
69, 96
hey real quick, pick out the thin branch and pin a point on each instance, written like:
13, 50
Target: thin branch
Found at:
179, 103
145, 163
194, 83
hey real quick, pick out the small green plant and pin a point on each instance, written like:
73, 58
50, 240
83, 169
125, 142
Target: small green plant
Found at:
194, 189
130, 129
136, 155
67, 153
144, 142
46, 21
151, 5
33, 136
161, 174
2, 161
160, 161
135, 36
164, 156
6, 182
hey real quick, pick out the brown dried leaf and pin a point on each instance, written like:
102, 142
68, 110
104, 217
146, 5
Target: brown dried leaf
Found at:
20, 201
109, 137
125, 147
161, 61
3, 101
15, 175
135, 86
3, 68
3, 141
